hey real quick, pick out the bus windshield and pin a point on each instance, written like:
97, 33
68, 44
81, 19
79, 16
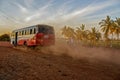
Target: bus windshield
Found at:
46, 30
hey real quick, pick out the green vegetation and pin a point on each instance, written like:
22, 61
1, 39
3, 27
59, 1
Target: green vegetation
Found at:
5, 37
93, 37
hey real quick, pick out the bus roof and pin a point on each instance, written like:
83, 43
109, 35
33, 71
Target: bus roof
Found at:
38, 25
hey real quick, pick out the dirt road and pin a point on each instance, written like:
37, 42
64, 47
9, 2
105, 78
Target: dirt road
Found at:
17, 64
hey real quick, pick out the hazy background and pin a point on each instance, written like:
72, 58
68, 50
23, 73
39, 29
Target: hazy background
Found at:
77, 51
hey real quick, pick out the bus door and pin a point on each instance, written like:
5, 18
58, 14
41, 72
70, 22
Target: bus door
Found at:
16, 38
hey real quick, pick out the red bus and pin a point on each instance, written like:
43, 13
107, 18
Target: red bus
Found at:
36, 35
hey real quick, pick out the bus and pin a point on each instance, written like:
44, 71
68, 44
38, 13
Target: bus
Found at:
37, 35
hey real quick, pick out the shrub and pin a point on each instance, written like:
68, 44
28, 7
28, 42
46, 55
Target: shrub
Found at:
5, 37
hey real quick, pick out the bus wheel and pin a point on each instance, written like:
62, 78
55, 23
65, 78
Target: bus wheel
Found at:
25, 43
14, 44
33, 47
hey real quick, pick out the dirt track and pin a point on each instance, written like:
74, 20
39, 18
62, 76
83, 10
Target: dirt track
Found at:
16, 64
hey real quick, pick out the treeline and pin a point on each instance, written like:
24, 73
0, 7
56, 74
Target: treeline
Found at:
108, 27
5, 37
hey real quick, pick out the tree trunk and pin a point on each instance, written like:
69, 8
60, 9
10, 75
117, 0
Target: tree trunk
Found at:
111, 42
118, 36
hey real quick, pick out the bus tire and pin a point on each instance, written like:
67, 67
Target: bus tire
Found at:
13, 43
25, 43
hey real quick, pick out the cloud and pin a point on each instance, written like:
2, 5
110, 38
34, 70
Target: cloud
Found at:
80, 13
28, 2
88, 10
22, 8
64, 8
59, 11
38, 13
64, 12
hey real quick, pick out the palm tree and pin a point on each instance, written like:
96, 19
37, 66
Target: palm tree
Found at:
64, 31
117, 27
68, 32
106, 26
94, 36
82, 27
113, 28
98, 36
80, 32
71, 32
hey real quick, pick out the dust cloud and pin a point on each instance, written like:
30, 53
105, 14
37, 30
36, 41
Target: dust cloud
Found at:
77, 51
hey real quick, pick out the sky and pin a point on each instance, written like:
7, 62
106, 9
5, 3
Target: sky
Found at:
16, 14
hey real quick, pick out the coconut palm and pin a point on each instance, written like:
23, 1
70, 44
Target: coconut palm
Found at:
98, 36
64, 31
112, 29
71, 32
68, 32
106, 26
80, 32
94, 36
117, 27
82, 27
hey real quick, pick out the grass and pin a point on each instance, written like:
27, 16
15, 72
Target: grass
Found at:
112, 44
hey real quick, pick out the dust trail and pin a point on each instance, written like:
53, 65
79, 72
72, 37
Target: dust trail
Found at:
77, 51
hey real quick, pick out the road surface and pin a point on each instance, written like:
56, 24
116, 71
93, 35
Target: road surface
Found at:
16, 64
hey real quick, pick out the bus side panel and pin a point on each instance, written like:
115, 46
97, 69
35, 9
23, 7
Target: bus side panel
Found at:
45, 39
31, 42
21, 42
28, 40
49, 40
39, 39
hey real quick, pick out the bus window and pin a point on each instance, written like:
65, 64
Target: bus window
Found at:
42, 30
22, 32
30, 31
50, 30
34, 31
19, 33
46, 30
25, 32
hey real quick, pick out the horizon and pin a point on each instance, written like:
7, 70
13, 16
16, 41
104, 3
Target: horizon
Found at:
23, 13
